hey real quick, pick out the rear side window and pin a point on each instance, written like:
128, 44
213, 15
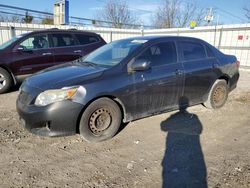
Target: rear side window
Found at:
192, 51
160, 54
86, 39
209, 52
61, 40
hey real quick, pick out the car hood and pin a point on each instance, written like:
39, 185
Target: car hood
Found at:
70, 74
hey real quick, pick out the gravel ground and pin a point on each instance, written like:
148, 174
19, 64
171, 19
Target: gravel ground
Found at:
198, 148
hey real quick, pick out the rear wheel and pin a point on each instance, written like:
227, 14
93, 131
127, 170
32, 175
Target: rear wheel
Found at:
218, 95
100, 121
6, 81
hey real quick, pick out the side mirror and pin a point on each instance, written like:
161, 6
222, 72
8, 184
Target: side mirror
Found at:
140, 65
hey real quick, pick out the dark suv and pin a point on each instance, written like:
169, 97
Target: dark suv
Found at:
31, 52
123, 81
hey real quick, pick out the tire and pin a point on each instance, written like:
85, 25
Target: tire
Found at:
217, 95
6, 81
100, 121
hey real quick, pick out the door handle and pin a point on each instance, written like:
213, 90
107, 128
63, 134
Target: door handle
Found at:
178, 72
78, 51
46, 53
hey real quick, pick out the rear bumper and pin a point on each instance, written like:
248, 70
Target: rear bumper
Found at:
233, 82
58, 119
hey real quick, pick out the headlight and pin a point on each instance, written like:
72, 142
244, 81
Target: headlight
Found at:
51, 96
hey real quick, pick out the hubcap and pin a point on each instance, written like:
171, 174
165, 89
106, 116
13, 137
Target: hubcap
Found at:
100, 120
219, 95
2, 81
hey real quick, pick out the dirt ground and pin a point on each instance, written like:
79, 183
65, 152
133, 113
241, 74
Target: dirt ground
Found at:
198, 148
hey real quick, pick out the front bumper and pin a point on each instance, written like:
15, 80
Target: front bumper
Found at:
58, 119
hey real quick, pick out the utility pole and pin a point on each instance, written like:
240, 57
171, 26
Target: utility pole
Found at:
218, 17
210, 15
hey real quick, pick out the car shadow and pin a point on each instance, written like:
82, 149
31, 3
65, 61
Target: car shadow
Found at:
122, 127
15, 88
183, 163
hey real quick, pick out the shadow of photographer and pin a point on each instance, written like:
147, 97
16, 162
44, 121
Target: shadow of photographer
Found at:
183, 163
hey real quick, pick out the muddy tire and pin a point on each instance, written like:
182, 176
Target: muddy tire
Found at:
6, 81
100, 121
218, 95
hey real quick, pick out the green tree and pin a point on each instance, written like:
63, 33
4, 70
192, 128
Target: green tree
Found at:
28, 18
48, 20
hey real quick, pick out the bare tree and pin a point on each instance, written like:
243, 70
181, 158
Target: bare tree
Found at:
166, 14
117, 14
15, 18
199, 16
247, 12
2, 18
190, 12
11, 18
175, 13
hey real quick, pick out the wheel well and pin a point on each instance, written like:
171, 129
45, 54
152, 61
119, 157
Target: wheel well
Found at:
225, 77
12, 76
115, 99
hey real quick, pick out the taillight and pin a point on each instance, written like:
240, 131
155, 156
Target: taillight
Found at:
237, 63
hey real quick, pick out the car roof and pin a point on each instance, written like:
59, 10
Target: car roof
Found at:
56, 30
158, 37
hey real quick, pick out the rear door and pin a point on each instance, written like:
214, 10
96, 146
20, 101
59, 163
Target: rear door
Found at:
158, 88
66, 47
36, 54
199, 71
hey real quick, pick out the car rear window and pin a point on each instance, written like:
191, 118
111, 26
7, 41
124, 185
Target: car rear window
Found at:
192, 51
86, 39
161, 54
61, 40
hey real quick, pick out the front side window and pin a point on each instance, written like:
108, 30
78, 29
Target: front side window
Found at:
192, 51
35, 42
63, 40
160, 54
86, 39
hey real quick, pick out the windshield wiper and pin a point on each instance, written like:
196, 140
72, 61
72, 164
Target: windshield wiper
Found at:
80, 61
89, 63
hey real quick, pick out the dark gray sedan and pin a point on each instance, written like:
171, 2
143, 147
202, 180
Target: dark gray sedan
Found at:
124, 81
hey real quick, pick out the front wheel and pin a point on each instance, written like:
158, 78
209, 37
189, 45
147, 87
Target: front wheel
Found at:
6, 81
100, 121
218, 95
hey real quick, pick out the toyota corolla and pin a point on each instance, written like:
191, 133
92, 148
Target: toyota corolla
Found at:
123, 81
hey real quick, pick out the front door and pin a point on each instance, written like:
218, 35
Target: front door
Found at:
33, 54
160, 87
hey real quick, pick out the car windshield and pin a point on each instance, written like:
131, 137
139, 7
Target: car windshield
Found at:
9, 42
113, 53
